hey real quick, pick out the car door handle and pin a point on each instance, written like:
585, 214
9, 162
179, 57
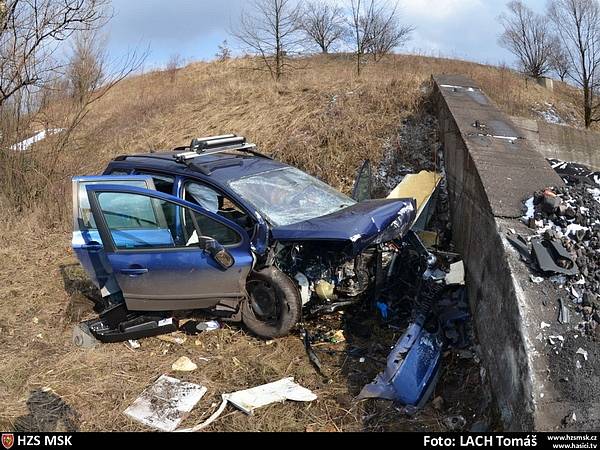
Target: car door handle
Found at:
92, 246
134, 272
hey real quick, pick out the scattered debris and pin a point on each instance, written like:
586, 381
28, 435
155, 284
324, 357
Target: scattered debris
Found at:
133, 344
411, 371
535, 279
173, 338
582, 352
566, 243
165, 404
456, 276
184, 364
211, 325
564, 316
250, 399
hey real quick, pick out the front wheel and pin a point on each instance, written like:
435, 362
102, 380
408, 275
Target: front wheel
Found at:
274, 305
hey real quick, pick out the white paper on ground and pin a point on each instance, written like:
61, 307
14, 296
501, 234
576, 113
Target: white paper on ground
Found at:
164, 404
279, 391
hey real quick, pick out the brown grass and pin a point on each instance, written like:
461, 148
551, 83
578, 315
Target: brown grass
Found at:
321, 118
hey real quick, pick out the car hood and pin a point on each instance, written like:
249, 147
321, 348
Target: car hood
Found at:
359, 225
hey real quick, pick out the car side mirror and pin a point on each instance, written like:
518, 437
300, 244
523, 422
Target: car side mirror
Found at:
219, 253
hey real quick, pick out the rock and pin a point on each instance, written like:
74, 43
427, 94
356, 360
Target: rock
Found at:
589, 298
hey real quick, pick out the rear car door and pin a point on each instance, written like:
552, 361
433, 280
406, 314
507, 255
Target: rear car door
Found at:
151, 241
86, 242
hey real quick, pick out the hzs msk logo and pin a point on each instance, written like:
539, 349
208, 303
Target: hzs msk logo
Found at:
8, 439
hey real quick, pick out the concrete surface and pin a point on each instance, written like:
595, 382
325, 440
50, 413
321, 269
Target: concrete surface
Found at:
488, 179
561, 141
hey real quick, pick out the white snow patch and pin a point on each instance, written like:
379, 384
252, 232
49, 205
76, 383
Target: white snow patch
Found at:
41, 135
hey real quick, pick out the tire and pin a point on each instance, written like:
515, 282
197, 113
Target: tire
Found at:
274, 305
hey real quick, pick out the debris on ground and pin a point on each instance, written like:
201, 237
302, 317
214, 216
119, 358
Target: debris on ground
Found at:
184, 364
173, 338
164, 404
250, 399
564, 247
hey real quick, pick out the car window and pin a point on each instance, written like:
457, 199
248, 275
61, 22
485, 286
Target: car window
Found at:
215, 202
85, 212
209, 228
163, 183
286, 196
137, 221
119, 172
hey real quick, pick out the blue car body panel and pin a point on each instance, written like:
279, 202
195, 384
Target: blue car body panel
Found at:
169, 278
87, 243
412, 368
359, 225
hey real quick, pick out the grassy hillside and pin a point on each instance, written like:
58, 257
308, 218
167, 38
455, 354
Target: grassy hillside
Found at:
322, 119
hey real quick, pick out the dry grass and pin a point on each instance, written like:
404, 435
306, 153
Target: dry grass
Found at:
322, 119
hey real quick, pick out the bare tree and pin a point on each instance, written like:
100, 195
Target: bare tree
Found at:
375, 28
577, 24
560, 62
30, 33
85, 70
271, 30
527, 35
323, 24
224, 52
387, 33
173, 65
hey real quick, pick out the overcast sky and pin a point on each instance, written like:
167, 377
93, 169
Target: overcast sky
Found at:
466, 29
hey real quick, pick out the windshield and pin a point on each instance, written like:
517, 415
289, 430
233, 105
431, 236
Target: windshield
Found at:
286, 196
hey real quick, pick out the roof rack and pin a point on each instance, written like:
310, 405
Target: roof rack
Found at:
216, 144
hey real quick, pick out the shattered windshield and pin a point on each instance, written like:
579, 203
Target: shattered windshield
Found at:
286, 196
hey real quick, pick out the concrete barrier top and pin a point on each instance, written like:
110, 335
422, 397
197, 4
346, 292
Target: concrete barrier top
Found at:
509, 167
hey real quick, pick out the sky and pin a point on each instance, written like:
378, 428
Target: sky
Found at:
193, 29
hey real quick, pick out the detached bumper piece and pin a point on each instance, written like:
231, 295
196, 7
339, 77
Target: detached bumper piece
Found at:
412, 369
118, 324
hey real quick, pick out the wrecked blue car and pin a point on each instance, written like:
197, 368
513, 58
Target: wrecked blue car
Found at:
217, 226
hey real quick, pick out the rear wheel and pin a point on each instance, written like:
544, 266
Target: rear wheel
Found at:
274, 305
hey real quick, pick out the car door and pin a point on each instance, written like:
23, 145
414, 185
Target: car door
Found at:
364, 183
86, 242
151, 241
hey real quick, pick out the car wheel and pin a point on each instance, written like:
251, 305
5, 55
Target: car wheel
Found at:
274, 305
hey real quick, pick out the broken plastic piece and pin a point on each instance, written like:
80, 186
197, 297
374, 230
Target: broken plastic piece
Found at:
563, 314
164, 404
286, 389
250, 399
421, 187
456, 276
521, 245
551, 256
82, 336
412, 369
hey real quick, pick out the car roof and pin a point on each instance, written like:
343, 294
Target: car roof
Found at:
220, 167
